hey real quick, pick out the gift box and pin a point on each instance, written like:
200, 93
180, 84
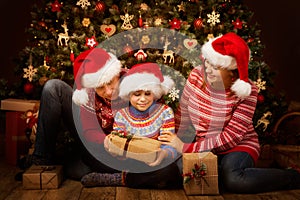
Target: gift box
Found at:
200, 173
139, 148
18, 104
16, 142
43, 177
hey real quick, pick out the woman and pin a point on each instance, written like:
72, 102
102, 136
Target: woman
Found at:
219, 101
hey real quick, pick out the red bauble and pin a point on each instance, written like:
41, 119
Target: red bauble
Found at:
28, 88
260, 98
140, 21
100, 6
198, 23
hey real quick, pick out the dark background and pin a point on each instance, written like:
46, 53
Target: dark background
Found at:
279, 20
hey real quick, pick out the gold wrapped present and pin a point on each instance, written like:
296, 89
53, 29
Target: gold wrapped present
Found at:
43, 177
200, 173
139, 148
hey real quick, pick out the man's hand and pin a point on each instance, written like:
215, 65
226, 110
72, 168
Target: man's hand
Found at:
161, 155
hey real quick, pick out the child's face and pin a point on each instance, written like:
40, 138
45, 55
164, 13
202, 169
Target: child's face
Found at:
141, 100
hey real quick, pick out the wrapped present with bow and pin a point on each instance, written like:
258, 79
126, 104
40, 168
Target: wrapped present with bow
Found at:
43, 177
200, 173
135, 147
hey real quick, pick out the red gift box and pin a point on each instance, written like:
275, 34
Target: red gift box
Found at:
16, 143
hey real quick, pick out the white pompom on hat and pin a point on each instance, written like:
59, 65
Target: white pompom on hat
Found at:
147, 77
93, 68
230, 51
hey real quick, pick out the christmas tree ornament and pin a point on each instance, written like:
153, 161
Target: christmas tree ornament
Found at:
72, 56
145, 39
63, 36
144, 6
91, 42
238, 24
175, 23
213, 18
181, 7
30, 71
126, 24
55, 6
128, 50
28, 88
158, 21
168, 53
198, 23
108, 30
46, 67
86, 22
260, 98
140, 20
83, 3
264, 121
190, 43
100, 6
140, 55
261, 85
43, 80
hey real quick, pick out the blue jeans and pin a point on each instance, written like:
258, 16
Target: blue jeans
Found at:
237, 174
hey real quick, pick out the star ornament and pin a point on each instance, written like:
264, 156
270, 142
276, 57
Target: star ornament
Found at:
238, 24
91, 42
55, 6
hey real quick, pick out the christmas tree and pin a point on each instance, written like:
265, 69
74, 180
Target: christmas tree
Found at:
169, 32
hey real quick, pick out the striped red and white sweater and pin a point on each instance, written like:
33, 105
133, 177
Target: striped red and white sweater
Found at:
223, 122
150, 123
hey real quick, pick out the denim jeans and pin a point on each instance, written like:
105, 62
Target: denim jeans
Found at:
55, 110
237, 174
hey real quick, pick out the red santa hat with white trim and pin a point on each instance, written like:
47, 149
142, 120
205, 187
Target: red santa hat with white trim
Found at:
93, 68
231, 52
147, 77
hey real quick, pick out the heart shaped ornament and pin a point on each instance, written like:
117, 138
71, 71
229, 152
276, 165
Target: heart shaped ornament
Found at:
190, 43
108, 30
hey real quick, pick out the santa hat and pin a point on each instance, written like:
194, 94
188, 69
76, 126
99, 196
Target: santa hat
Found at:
147, 77
93, 68
230, 52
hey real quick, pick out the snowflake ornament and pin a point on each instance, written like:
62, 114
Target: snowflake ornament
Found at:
174, 94
213, 18
29, 72
260, 84
83, 3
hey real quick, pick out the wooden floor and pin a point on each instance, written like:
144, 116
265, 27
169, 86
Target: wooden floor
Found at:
10, 189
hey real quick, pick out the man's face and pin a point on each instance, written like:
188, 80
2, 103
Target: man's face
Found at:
110, 90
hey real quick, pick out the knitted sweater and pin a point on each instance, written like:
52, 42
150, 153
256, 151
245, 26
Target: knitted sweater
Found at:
223, 122
97, 117
149, 123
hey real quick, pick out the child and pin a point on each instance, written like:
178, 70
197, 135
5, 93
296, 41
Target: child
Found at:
143, 86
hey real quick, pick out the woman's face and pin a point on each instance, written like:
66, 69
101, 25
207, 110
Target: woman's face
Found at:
218, 77
110, 90
141, 99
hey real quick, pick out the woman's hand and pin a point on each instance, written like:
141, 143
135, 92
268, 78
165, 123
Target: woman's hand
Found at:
161, 155
172, 140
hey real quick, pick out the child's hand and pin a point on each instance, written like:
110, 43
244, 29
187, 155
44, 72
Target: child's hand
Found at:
172, 140
161, 155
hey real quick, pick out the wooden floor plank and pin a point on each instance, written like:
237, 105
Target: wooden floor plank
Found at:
168, 194
130, 193
213, 197
99, 193
69, 190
